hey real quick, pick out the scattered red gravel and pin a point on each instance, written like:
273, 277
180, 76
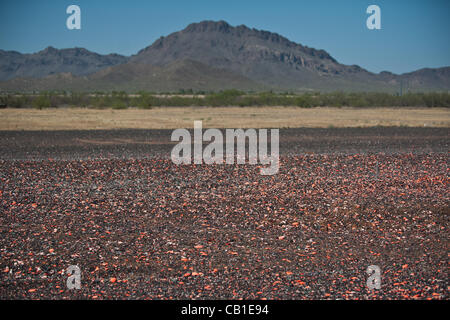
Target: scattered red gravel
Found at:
144, 228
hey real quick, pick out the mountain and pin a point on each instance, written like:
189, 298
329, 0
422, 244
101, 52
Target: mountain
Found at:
428, 78
207, 55
77, 61
262, 56
179, 74
135, 77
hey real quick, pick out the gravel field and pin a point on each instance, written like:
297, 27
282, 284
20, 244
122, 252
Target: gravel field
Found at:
141, 227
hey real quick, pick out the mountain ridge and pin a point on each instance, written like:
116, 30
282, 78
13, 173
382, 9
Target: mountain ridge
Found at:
78, 61
251, 59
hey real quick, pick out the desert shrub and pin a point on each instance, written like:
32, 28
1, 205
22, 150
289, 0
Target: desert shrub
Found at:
100, 102
17, 101
79, 99
223, 98
3, 103
178, 101
247, 100
42, 101
144, 101
304, 101
118, 104
436, 100
119, 100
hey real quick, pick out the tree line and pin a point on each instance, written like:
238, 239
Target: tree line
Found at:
147, 100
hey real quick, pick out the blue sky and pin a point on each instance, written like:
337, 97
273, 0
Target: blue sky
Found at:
414, 33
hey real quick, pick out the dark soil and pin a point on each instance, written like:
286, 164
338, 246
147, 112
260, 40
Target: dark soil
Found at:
141, 227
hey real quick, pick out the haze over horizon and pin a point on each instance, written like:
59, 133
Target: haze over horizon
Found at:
409, 39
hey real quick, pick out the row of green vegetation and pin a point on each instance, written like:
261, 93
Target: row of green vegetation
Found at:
146, 100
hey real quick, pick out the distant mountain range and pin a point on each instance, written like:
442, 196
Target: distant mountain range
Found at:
77, 61
206, 56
